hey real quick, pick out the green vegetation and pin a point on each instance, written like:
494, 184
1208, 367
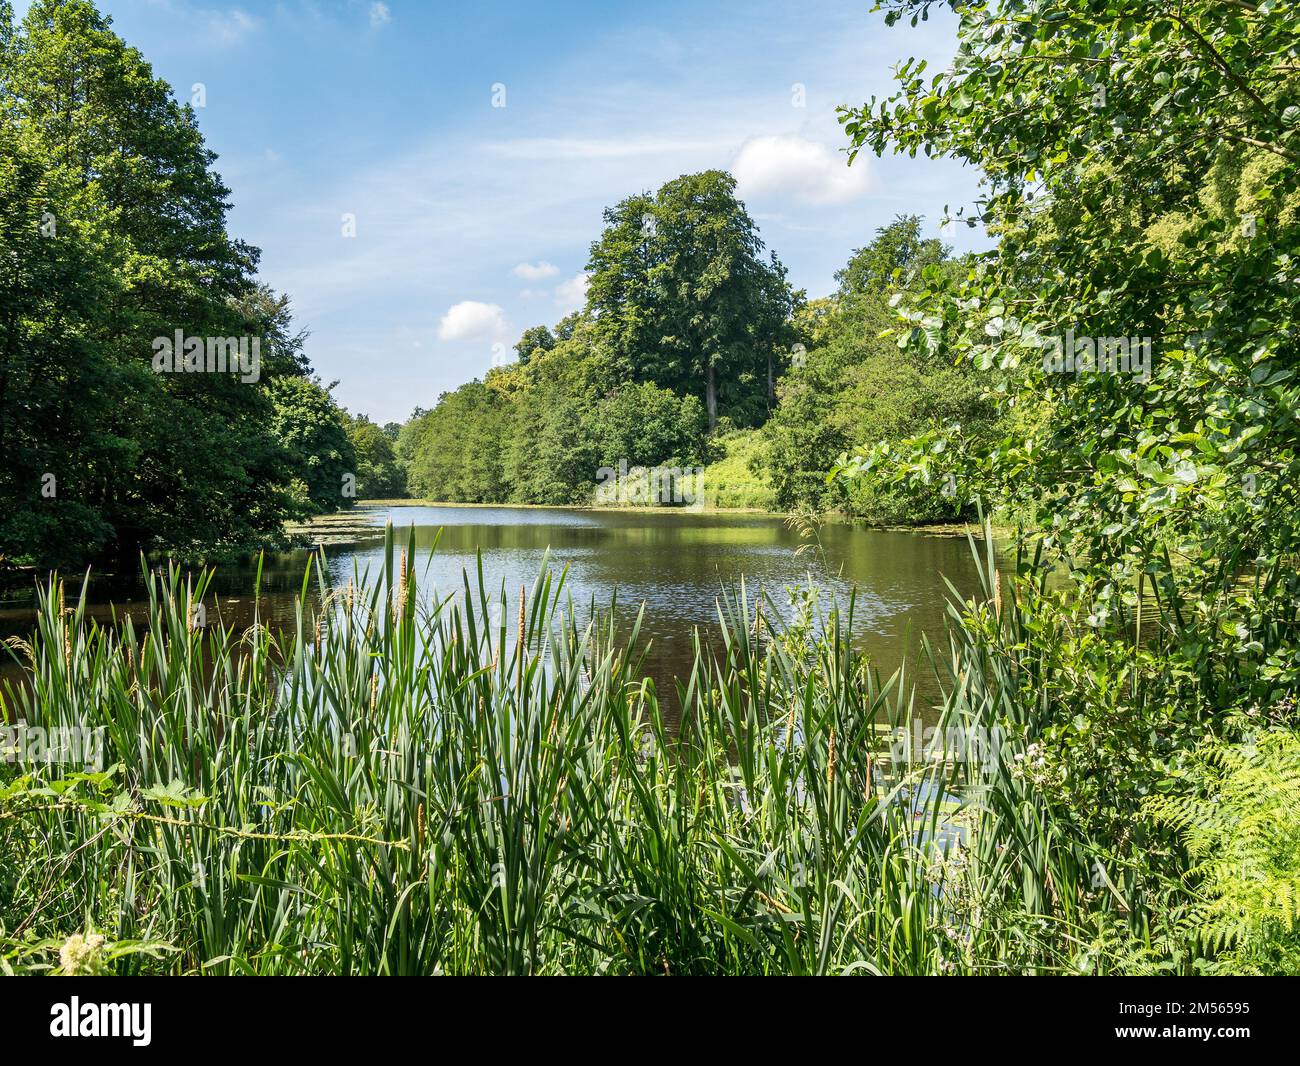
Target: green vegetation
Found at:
411, 782
113, 232
736, 478
1243, 837
681, 296
859, 384
379, 474
408, 783
537, 431
795, 383
1142, 178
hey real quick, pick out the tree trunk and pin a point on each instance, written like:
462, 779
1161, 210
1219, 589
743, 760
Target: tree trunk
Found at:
711, 396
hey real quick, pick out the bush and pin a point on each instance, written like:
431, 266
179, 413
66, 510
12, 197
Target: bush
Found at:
735, 478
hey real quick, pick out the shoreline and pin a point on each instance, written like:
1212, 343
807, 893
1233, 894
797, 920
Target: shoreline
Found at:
339, 527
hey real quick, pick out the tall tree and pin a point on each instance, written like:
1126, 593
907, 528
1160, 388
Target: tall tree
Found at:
683, 297
113, 176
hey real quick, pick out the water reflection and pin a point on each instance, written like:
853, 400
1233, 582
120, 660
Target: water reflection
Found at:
674, 563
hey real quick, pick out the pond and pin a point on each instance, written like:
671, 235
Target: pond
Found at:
674, 562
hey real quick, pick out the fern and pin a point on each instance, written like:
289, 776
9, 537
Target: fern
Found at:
1241, 827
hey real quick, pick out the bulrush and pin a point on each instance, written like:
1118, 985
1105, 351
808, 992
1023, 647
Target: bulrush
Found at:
67, 631
487, 831
830, 760
521, 645
401, 588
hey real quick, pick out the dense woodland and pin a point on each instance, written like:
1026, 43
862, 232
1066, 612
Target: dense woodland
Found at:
113, 233
693, 351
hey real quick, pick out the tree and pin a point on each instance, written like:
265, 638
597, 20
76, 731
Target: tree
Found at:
112, 173
856, 386
645, 425
379, 475
55, 376
681, 296
534, 338
455, 452
551, 455
310, 426
894, 259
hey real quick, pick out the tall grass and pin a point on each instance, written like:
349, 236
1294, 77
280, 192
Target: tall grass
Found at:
410, 782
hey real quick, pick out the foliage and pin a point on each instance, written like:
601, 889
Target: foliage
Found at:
112, 232
1242, 831
306, 419
682, 296
648, 425
893, 260
685, 325
538, 431
856, 387
621, 380
736, 478
379, 475
455, 451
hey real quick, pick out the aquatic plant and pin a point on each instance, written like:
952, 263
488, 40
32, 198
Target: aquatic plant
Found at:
447, 781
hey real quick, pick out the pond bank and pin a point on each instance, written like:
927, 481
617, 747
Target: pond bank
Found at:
344, 527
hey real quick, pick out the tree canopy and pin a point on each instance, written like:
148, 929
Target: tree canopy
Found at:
682, 296
113, 239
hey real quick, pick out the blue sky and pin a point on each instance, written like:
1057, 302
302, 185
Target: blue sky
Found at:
473, 221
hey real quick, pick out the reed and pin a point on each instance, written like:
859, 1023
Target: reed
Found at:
392, 785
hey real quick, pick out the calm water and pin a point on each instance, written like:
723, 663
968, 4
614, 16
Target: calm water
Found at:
675, 563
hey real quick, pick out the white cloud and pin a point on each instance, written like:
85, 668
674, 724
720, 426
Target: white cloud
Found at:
230, 27
572, 294
380, 15
472, 320
535, 271
794, 168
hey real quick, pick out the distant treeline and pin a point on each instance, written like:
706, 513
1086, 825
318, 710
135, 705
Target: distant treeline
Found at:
693, 349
